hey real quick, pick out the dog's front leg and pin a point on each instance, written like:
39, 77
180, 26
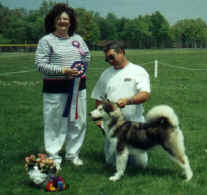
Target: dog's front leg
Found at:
110, 150
121, 163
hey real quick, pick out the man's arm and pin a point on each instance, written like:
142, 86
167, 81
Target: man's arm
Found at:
139, 98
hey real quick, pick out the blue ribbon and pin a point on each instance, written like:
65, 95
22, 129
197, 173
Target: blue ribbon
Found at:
80, 66
69, 99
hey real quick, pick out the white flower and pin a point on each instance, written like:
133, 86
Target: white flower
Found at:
36, 176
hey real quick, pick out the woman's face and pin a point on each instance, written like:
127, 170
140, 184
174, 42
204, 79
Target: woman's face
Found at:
62, 23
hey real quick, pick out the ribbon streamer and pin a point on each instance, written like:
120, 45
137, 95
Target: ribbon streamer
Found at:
77, 45
72, 100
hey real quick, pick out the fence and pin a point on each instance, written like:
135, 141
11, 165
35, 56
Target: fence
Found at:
158, 63
18, 47
155, 62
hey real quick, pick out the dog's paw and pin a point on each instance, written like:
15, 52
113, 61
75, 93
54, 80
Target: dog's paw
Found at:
189, 176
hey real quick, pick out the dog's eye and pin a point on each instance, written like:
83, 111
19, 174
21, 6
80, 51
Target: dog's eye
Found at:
100, 109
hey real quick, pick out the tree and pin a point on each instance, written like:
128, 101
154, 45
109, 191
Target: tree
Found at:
4, 40
190, 33
87, 27
148, 31
107, 26
201, 35
145, 35
160, 29
16, 28
34, 27
4, 18
132, 33
46, 6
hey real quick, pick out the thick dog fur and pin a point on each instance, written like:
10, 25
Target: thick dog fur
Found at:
161, 128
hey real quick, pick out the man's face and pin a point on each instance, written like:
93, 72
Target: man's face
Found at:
114, 58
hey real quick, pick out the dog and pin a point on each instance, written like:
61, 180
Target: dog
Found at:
161, 128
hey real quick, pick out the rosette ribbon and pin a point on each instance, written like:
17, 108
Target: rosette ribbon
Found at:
74, 89
77, 45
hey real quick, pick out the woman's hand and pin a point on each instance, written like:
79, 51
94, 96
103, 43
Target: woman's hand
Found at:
70, 72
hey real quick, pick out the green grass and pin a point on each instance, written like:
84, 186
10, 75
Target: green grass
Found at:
21, 126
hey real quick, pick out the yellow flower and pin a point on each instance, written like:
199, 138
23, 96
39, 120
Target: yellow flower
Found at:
32, 157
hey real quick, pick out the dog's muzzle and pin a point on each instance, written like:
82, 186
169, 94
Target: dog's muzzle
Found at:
94, 118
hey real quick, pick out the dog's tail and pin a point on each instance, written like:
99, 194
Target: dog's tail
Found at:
163, 111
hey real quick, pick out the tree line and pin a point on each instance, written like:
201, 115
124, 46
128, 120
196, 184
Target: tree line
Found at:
148, 31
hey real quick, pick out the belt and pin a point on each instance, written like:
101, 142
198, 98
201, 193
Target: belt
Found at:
61, 85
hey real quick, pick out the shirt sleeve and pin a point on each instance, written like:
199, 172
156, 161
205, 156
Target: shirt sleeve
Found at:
143, 82
87, 57
42, 59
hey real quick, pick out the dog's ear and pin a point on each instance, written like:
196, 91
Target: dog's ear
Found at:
108, 101
104, 98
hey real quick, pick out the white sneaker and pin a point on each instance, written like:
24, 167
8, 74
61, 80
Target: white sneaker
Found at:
77, 161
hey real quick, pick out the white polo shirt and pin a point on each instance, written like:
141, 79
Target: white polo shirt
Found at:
123, 83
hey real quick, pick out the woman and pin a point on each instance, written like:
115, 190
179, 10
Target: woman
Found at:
62, 56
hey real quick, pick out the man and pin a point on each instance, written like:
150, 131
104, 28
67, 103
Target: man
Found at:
126, 84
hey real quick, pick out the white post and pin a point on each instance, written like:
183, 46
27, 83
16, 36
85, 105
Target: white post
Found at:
156, 68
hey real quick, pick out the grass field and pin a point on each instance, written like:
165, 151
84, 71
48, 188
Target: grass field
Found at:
178, 85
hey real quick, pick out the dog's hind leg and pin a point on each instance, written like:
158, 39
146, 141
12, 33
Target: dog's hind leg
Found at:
176, 149
138, 157
121, 163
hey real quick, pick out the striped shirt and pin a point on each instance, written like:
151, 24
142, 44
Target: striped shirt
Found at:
53, 53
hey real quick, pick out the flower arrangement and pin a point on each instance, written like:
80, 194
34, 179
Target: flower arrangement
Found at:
42, 171
42, 162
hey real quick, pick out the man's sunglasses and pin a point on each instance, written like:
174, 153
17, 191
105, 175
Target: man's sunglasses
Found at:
109, 58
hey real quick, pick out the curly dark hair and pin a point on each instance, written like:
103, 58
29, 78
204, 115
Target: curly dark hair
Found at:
55, 12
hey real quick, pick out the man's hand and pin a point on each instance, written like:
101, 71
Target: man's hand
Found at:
139, 98
122, 102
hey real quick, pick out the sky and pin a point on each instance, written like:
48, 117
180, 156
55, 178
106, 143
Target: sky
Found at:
172, 10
